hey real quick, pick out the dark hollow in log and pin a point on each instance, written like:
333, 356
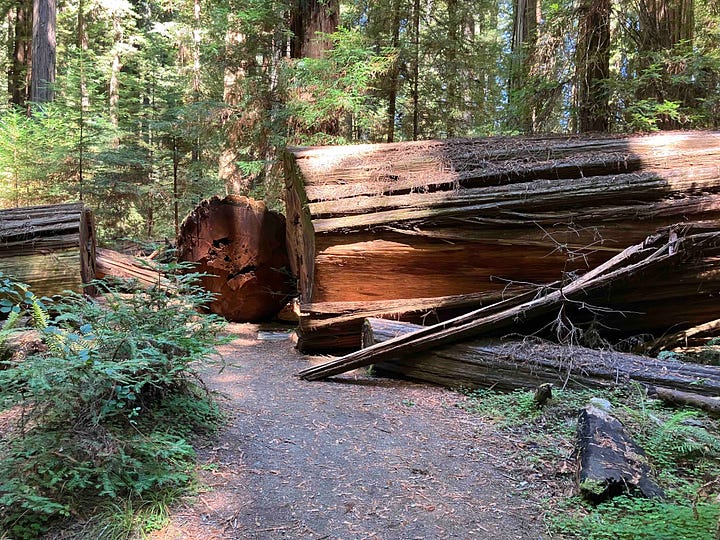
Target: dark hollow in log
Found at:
51, 248
374, 223
240, 244
510, 364
610, 462
682, 256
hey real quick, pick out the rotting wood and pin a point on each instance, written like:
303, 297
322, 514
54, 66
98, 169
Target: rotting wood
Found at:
513, 363
240, 244
673, 249
610, 462
51, 247
373, 223
710, 404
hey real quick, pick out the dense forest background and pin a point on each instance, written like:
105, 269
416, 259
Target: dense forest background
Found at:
142, 108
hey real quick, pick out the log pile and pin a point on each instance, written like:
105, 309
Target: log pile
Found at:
396, 229
51, 247
240, 245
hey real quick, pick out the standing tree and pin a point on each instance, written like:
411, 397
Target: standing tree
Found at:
19, 65
310, 22
592, 65
526, 16
43, 51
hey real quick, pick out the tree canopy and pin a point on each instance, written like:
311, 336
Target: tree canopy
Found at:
153, 105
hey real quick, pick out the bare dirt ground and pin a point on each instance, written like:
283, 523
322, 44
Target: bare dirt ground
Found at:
354, 458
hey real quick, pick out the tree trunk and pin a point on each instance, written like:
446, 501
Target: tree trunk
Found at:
50, 248
592, 66
43, 51
665, 282
309, 20
240, 244
395, 72
19, 75
526, 17
405, 221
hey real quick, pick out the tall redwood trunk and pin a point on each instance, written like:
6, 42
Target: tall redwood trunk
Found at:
19, 72
592, 65
309, 20
526, 17
43, 51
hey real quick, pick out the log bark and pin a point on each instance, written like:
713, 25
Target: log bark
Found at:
113, 264
240, 244
610, 462
509, 364
373, 223
51, 248
686, 257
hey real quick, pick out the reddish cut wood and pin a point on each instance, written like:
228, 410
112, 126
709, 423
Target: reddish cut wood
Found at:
430, 219
240, 244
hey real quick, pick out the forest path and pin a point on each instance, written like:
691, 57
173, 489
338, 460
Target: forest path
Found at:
353, 458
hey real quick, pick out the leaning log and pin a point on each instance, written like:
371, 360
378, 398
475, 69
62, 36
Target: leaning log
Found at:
113, 264
686, 256
240, 245
373, 223
511, 364
51, 248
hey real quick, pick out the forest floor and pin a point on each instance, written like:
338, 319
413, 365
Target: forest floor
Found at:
356, 457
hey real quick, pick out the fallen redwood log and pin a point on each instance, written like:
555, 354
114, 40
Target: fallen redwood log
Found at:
374, 223
510, 364
240, 244
113, 264
51, 248
686, 256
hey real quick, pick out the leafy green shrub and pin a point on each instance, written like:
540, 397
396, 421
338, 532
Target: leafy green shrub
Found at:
106, 412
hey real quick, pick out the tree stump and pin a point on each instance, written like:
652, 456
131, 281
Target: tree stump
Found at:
240, 244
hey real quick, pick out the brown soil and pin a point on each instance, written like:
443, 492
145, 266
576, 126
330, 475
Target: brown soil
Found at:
357, 457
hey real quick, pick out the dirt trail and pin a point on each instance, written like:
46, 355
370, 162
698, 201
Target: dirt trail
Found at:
356, 458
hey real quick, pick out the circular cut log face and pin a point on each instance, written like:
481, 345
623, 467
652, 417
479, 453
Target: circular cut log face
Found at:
240, 244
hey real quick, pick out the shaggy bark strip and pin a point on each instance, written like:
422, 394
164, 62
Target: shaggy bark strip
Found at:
669, 250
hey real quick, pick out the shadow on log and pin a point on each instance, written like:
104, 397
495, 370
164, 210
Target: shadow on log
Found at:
240, 244
51, 248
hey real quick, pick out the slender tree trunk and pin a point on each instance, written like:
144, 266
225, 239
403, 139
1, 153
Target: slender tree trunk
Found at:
592, 65
395, 73
451, 79
416, 70
19, 73
83, 44
525, 21
234, 73
115, 75
43, 51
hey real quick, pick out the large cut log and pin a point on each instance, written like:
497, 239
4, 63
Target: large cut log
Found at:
610, 462
684, 259
240, 244
50, 247
113, 264
509, 364
373, 223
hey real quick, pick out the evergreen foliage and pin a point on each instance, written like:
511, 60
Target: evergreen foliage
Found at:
160, 104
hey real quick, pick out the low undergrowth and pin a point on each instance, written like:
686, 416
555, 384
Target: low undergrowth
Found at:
683, 448
106, 414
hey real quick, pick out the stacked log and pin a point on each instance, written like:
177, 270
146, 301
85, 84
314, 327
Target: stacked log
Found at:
113, 264
51, 247
239, 244
373, 224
